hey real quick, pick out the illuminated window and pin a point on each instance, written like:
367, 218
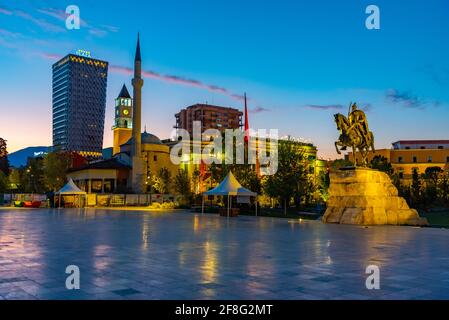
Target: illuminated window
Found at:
96, 186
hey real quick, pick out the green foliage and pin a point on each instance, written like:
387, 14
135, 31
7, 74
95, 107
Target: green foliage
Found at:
324, 184
341, 163
33, 176
150, 182
182, 184
382, 164
430, 189
291, 181
196, 175
55, 168
3, 182
4, 163
443, 188
416, 189
41, 175
16, 180
163, 181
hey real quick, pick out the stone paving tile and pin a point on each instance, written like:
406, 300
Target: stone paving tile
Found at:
141, 255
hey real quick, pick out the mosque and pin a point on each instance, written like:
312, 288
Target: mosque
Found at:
136, 156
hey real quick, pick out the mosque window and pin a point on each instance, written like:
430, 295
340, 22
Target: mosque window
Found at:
155, 158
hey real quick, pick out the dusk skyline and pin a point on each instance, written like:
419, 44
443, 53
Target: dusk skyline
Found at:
308, 63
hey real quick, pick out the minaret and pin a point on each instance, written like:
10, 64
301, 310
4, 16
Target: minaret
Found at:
246, 122
138, 174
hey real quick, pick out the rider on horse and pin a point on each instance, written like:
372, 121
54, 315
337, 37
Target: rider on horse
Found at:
357, 121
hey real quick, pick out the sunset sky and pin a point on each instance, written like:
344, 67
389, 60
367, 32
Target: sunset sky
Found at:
299, 62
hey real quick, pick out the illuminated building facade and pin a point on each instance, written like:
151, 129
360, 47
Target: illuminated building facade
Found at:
123, 122
406, 156
211, 117
79, 103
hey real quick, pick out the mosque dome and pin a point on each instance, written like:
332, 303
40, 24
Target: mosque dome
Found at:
147, 138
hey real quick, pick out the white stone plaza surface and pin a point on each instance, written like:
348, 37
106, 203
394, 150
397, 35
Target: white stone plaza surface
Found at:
181, 255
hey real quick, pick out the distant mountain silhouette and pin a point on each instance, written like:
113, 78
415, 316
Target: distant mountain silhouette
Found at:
20, 157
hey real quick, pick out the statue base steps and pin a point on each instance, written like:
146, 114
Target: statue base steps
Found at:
361, 196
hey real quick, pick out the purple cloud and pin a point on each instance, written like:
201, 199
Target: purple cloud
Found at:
324, 107
405, 99
5, 11
47, 26
177, 80
259, 109
8, 33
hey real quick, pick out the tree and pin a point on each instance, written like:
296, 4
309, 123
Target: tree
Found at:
150, 182
182, 184
55, 170
432, 174
416, 188
16, 179
291, 179
163, 181
218, 172
33, 176
382, 164
443, 188
341, 163
3, 182
196, 176
4, 163
324, 184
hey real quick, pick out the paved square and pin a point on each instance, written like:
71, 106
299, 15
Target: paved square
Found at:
180, 255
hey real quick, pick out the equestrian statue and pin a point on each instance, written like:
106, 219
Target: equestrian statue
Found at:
354, 133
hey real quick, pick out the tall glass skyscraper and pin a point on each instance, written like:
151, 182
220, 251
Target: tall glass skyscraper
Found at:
79, 103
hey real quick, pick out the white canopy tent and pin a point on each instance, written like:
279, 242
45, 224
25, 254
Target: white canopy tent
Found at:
229, 187
70, 189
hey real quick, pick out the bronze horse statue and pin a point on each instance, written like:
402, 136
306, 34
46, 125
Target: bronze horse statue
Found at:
351, 137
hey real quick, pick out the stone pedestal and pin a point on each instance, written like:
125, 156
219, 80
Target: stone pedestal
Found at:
361, 196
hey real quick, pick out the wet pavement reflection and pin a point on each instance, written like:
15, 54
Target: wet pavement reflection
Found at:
181, 255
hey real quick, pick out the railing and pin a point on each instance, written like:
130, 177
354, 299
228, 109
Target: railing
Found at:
98, 200
128, 200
